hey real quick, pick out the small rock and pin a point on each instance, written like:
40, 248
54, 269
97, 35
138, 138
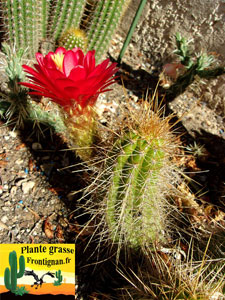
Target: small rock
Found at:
4, 208
19, 161
36, 146
27, 186
3, 226
5, 186
4, 219
13, 191
20, 181
13, 134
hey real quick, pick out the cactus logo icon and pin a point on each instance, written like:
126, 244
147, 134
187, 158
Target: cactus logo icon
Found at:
28, 270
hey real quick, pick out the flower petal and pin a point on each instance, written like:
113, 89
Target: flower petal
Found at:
89, 61
78, 73
71, 60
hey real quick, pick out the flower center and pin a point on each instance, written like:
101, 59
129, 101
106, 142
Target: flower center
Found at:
58, 60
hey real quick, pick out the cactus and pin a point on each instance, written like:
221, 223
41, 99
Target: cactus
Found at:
72, 38
59, 276
132, 196
135, 182
65, 14
201, 66
25, 23
102, 24
17, 96
29, 23
10, 277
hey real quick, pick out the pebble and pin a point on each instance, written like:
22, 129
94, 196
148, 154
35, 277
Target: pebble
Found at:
4, 219
19, 161
13, 134
5, 186
20, 181
4, 208
36, 146
27, 186
13, 191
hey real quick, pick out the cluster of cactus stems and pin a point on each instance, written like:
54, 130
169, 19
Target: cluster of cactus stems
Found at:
59, 277
30, 23
11, 275
201, 66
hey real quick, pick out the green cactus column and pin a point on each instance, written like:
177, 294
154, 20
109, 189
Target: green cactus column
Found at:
103, 22
10, 276
134, 203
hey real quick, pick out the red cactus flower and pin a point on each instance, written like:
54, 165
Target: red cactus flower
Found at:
70, 78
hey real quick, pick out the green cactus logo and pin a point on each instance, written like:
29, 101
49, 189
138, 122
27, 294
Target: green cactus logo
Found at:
60, 277
10, 276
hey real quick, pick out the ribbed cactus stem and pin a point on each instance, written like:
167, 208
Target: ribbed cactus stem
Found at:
24, 23
111, 22
76, 18
134, 206
67, 13
60, 17
10, 277
96, 28
81, 126
7, 10
16, 22
44, 13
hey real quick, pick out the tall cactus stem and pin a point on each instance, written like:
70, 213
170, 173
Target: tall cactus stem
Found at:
44, 12
98, 22
16, 22
61, 19
108, 29
9, 21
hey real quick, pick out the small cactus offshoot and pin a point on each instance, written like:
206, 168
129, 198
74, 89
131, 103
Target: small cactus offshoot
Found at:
192, 66
72, 38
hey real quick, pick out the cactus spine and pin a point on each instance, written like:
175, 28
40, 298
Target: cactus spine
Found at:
10, 277
59, 276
